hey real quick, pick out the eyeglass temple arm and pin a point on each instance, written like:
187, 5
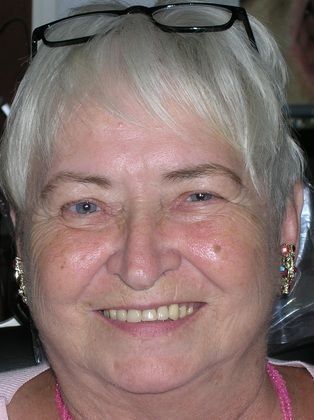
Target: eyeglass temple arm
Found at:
37, 36
245, 19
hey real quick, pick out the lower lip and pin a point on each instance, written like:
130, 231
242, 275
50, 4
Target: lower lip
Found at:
151, 328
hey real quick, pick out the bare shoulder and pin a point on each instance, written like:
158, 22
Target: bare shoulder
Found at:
300, 385
35, 399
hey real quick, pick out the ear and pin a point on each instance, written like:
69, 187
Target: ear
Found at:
290, 228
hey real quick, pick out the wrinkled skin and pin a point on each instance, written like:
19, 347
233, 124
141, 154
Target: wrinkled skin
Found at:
147, 237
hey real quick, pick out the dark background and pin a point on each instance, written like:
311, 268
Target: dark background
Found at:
15, 30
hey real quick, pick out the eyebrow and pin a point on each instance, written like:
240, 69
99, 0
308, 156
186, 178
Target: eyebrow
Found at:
81, 178
198, 171
203, 170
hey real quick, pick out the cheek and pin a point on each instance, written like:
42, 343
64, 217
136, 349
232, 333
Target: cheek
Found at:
230, 250
66, 262
237, 277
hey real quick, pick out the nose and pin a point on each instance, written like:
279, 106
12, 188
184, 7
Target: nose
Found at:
143, 256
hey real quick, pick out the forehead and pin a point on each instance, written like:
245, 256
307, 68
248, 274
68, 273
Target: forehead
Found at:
94, 137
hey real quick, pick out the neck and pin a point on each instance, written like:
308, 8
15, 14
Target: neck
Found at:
231, 391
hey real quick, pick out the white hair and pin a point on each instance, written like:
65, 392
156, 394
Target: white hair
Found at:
217, 76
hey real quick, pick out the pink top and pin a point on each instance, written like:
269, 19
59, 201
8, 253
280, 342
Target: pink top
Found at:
11, 381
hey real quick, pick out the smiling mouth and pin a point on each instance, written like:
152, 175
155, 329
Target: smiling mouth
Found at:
171, 312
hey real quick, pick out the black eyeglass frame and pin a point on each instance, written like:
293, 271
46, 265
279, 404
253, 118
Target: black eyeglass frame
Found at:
237, 13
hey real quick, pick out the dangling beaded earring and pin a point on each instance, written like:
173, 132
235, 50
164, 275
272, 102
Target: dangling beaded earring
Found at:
19, 277
287, 268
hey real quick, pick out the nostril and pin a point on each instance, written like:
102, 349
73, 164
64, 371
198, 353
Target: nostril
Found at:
142, 271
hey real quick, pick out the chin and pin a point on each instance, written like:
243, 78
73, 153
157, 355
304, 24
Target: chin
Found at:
151, 378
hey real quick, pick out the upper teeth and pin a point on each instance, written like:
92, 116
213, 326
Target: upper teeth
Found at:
162, 313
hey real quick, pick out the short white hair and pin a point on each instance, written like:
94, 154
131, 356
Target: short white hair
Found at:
217, 76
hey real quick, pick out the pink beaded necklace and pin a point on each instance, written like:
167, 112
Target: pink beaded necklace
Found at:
277, 380
281, 391
61, 407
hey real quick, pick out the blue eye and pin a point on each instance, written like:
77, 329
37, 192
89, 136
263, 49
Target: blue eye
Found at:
197, 197
85, 207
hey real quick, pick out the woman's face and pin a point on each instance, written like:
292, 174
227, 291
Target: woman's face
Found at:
137, 221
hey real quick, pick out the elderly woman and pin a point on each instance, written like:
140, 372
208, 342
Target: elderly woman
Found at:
155, 191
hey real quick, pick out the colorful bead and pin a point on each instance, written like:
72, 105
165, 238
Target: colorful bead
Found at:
284, 249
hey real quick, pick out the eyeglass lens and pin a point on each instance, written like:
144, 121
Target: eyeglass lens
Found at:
188, 16
192, 16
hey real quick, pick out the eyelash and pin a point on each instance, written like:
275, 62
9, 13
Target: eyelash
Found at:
200, 197
88, 207
76, 207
